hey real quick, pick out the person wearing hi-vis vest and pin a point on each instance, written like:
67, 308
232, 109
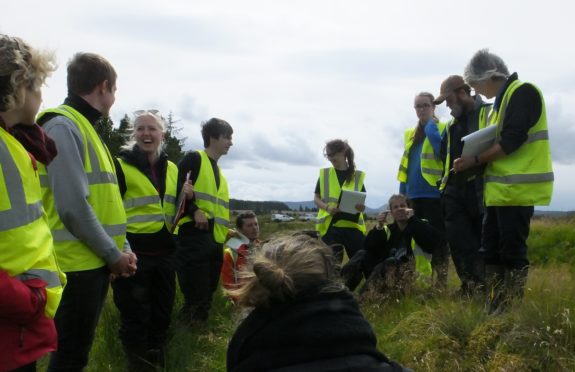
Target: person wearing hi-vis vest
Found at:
338, 229
31, 282
148, 182
420, 173
462, 193
237, 249
396, 253
203, 229
84, 207
518, 174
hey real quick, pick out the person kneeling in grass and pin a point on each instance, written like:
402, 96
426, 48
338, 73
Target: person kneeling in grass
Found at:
394, 254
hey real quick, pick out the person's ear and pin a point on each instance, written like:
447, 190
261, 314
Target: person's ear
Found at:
104, 87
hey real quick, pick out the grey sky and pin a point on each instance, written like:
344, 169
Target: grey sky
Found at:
290, 75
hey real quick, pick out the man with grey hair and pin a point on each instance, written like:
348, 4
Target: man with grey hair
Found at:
518, 174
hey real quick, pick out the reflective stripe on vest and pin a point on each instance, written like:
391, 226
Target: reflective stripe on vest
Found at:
524, 177
484, 114
145, 211
103, 196
330, 191
212, 201
431, 164
26, 246
13, 194
51, 278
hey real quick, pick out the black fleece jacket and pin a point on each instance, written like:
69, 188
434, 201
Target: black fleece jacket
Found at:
315, 328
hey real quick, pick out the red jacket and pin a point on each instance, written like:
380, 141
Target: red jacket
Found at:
236, 254
234, 261
25, 332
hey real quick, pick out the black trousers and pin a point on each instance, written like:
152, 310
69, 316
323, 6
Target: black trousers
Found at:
145, 302
199, 259
505, 233
430, 210
342, 237
463, 217
77, 317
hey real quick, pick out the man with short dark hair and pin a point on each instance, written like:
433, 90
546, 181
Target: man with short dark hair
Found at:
84, 207
203, 230
238, 247
462, 193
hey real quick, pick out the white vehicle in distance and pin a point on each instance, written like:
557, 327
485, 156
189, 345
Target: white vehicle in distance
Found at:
277, 217
307, 217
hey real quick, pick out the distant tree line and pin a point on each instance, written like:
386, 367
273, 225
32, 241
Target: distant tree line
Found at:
116, 137
259, 207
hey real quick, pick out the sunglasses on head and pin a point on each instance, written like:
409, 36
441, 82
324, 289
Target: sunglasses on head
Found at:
142, 112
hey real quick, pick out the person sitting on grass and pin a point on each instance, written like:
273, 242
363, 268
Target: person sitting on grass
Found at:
302, 318
388, 260
237, 249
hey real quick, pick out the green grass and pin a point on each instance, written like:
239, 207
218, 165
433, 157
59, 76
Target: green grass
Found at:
421, 331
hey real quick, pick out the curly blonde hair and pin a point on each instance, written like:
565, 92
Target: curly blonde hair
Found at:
286, 268
21, 67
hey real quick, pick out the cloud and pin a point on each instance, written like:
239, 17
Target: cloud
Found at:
290, 149
375, 64
561, 133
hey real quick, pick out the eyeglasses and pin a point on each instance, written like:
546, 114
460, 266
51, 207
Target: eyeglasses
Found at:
143, 112
330, 154
422, 106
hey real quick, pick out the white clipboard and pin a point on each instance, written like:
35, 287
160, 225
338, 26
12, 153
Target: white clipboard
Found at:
349, 199
479, 141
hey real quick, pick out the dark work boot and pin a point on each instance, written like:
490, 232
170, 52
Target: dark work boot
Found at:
515, 280
494, 281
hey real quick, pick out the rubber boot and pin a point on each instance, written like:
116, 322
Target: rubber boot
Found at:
494, 281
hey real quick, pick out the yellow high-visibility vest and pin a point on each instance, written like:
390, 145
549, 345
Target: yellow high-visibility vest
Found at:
145, 211
26, 247
431, 164
330, 190
524, 177
104, 198
212, 201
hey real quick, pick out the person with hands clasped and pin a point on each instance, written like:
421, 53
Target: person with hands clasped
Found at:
338, 229
518, 174
84, 207
203, 229
420, 174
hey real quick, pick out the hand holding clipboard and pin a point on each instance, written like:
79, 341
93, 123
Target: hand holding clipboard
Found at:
187, 193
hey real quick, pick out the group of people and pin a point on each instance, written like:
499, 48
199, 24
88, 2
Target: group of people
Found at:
478, 205
73, 218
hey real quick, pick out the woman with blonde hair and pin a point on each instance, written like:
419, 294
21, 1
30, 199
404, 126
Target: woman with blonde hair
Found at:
147, 181
30, 280
302, 318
